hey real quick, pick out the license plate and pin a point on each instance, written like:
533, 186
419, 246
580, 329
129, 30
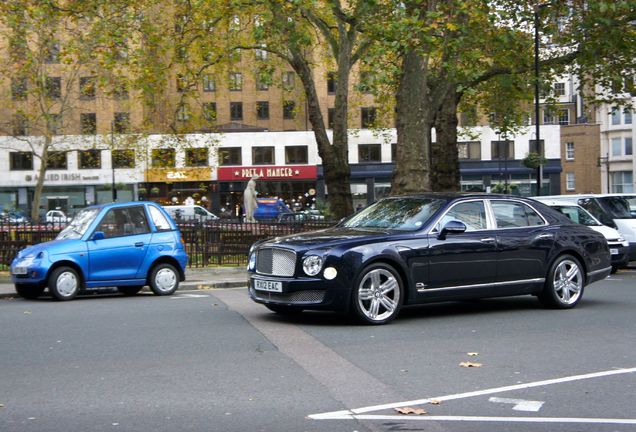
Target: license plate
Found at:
265, 285
19, 270
613, 251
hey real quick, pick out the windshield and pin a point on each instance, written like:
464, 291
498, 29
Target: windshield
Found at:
618, 207
406, 214
78, 226
578, 215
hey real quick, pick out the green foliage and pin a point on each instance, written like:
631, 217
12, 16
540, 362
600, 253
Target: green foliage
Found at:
533, 160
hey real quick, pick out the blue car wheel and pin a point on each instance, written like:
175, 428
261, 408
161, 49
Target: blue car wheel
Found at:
64, 283
164, 279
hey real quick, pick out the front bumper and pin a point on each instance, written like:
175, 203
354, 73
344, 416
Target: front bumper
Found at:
620, 256
28, 272
301, 292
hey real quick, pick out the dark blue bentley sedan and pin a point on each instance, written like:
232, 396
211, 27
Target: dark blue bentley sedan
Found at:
432, 247
123, 245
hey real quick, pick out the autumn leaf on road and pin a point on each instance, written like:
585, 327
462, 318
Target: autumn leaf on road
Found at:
410, 410
434, 402
470, 364
472, 354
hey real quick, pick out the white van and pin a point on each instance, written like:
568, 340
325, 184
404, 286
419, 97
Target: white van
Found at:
190, 213
613, 210
619, 247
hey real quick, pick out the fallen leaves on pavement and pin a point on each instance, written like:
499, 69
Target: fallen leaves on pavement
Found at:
411, 410
470, 364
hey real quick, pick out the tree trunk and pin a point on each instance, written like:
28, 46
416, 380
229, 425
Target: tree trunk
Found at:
444, 159
414, 120
39, 183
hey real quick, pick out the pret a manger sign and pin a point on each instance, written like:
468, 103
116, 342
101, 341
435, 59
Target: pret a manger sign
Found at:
288, 172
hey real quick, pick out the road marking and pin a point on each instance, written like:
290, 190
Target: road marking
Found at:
488, 419
183, 296
355, 413
519, 404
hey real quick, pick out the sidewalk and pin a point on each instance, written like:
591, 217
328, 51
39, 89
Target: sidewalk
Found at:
196, 278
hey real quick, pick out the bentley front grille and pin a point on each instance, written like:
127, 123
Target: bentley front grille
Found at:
275, 262
297, 297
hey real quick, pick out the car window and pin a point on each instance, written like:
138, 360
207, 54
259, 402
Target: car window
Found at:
510, 214
578, 215
124, 221
407, 214
200, 212
472, 214
159, 219
617, 206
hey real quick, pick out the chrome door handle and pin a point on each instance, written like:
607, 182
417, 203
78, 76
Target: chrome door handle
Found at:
488, 240
545, 236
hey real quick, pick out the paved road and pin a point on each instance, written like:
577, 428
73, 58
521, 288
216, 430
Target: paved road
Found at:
213, 361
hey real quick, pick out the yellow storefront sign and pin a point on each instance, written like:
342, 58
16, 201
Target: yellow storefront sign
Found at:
170, 175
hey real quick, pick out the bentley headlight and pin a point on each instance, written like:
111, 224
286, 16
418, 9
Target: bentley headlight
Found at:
312, 265
251, 263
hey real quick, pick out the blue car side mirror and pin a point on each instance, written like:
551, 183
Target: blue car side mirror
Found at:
98, 235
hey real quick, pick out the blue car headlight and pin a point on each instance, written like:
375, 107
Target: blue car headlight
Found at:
312, 264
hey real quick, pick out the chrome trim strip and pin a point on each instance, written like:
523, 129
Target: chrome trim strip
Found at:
599, 271
517, 282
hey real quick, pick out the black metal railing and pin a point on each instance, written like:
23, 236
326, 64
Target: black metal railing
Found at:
214, 243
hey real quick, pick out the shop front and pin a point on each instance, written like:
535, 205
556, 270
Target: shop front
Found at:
295, 184
172, 186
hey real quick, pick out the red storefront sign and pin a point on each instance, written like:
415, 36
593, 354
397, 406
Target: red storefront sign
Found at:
288, 172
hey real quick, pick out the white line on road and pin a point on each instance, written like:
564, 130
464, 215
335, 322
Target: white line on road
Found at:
491, 419
519, 404
354, 413
184, 296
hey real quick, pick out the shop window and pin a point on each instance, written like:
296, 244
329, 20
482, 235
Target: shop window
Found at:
263, 156
196, 157
502, 149
88, 123
163, 158
289, 110
236, 111
369, 153
296, 154
87, 88
20, 161
123, 158
262, 110
53, 87
469, 150
19, 89
121, 122
367, 117
89, 159
57, 160
230, 156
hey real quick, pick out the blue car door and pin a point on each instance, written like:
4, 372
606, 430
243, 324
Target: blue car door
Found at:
121, 252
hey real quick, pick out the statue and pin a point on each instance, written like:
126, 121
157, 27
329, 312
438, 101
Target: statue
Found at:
249, 199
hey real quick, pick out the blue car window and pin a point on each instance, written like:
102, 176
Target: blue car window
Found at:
159, 219
124, 221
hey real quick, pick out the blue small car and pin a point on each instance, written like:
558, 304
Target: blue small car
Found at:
270, 208
123, 245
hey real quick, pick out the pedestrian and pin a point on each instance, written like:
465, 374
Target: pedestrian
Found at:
359, 207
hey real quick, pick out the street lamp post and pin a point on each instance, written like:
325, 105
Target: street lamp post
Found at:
536, 95
112, 160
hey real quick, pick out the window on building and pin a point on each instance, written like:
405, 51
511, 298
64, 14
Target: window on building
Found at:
52, 52
369, 153
621, 146
236, 81
569, 151
262, 82
124, 158
367, 117
54, 124
20, 125
331, 112
559, 89
236, 111
469, 150
616, 145
209, 111
261, 53
534, 149
120, 91
289, 110
366, 82
296, 154
89, 159
468, 117
393, 152
616, 116
88, 123
564, 116
196, 157
53, 87
230, 156
628, 146
209, 84
20, 161
289, 80
263, 156
182, 83
163, 158
183, 113
503, 149
627, 115
19, 88
622, 182
87, 88
570, 182
549, 116
331, 82
121, 122
262, 110
57, 160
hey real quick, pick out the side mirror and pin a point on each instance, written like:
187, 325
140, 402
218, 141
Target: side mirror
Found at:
452, 227
98, 235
